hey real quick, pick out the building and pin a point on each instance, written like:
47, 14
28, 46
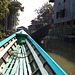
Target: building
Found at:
64, 12
31, 29
12, 0
34, 26
21, 28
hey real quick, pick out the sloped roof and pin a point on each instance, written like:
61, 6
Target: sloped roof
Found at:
51, 0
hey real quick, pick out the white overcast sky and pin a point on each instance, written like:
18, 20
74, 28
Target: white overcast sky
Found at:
29, 13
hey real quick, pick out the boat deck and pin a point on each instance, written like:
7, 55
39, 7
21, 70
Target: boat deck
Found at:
27, 58
24, 61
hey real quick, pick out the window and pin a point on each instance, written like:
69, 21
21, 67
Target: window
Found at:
68, 22
73, 22
59, 3
57, 15
63, 12
60, 14
64, 0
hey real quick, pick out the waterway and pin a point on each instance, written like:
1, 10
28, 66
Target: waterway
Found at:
63, 53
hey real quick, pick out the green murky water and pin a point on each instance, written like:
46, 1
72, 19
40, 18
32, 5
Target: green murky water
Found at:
63, 53
66, 65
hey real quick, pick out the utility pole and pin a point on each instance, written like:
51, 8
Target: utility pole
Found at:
6, 23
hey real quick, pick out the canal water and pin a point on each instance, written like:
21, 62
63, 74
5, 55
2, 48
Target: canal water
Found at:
63, 53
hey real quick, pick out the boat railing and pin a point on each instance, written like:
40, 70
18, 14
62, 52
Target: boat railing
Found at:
54, 66
5, 45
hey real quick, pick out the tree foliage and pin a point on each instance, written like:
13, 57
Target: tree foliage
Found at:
3, 8
9, 14
46, 13
14, 7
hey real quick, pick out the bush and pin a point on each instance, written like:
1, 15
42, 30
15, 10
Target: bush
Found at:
3, 34
0, 35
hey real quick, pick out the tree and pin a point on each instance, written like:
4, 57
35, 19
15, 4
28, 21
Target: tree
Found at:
9, 14
14, 7
3, 8
3, 12
46, 13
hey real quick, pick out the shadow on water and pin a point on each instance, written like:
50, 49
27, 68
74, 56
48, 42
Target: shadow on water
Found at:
63, 53
67, 50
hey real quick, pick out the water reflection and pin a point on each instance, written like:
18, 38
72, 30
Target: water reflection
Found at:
63, 53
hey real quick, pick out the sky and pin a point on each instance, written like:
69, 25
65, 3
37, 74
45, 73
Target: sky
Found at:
29, 13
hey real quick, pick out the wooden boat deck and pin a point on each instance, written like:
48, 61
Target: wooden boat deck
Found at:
27, 58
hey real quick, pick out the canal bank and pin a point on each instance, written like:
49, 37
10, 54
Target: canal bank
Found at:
63, 53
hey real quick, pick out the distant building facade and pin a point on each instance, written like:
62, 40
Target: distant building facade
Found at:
31, 29
21, 28
34, 27
64, 12
12, 0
